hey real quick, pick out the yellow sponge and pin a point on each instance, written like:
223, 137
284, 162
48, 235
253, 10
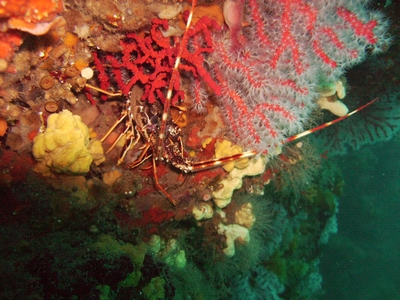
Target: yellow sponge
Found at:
225, 149
65, 146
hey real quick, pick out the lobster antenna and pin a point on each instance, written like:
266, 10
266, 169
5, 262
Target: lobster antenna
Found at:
174, 77
320, 127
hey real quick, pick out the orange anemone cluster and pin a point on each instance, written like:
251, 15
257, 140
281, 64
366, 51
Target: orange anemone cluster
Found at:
33, 16
213, 11
8, 41
30, 11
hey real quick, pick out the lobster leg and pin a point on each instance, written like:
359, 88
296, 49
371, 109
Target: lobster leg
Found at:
159, 187
121, 118
117, 94
132, 143
117, 140
141, 158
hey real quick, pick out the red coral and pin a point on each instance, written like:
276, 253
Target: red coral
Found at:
149, 60
155, 215
17, 165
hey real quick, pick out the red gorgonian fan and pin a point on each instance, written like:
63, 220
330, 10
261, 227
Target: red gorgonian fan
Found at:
148, 60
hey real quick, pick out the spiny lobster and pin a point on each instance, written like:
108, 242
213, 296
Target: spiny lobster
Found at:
144, 122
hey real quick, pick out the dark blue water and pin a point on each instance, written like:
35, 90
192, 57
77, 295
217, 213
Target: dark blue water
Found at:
362, 260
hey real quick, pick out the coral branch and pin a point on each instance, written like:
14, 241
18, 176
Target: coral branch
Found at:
149, 60
360, 29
